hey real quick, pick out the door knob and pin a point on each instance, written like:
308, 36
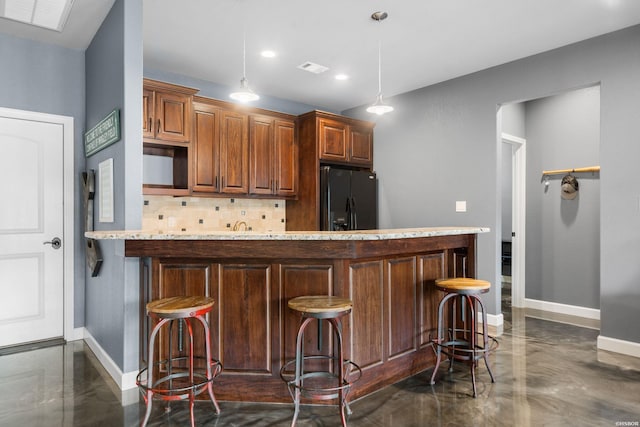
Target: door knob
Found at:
56, 243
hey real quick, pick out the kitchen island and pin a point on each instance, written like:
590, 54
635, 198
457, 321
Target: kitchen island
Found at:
388, 274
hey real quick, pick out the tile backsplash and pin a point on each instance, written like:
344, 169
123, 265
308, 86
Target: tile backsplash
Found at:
166, 214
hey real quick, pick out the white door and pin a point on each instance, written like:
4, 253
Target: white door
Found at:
31, 213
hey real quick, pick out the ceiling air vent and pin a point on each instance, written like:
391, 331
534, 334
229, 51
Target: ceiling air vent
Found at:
313, 68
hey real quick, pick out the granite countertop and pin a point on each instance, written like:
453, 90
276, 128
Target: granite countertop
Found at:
399, 233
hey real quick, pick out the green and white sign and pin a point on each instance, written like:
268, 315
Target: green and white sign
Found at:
103, 134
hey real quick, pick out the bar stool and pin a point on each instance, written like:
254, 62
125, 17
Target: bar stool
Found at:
321, 384
179, 382
462, 341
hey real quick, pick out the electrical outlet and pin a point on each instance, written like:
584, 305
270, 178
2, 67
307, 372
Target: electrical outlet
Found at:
461, 206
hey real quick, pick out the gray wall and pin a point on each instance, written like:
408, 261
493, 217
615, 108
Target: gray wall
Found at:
441, 145
513, 119
114, 80
563, 236
50, 79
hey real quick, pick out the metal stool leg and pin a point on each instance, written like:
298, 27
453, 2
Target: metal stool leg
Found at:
440, 338
485, 334
192, 392
472, 341
341, 392
210, 373
299, 368
456, 305
149, 394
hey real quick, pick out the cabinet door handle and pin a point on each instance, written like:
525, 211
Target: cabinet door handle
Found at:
222, 183
215, 183
159, 127
150, 125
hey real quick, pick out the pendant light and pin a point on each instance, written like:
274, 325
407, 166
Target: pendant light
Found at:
379, 107
244, 94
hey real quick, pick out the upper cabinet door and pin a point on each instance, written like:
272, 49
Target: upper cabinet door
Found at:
261, 147
286, 158
147, 114
172, 121
273, 157
234, 153
206, 123
333, 140
361, 145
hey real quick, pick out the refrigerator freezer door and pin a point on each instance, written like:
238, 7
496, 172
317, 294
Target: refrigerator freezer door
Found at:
364, 201
335, 191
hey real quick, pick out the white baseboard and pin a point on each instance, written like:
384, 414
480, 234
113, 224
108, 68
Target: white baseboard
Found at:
496, 320
76, 334
124, 381
554, 307
615, 345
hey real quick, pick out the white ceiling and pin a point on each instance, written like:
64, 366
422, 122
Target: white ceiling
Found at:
423, 41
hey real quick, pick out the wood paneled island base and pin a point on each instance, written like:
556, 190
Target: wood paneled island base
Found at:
388, 274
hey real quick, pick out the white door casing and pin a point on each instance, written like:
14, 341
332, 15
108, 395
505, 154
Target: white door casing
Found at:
518, 217
36, 206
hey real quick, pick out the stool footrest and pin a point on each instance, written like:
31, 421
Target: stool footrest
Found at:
461, 350
317, 391
164, 388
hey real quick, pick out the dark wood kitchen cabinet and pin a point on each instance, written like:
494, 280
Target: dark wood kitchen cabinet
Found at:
342, 142
238, 151
166, 112
206, 142
361, 145
166, 132
216, 148
273, 154
234, 153
221, 149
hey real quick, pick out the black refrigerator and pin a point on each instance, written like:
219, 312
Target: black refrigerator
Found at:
349, 199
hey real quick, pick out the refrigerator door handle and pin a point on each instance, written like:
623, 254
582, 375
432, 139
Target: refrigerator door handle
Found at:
354, 214
349, 225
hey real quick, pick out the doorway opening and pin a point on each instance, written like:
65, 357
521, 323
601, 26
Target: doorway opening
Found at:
560, 235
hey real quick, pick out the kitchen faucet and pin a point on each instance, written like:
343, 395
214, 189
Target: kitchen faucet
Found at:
238, 224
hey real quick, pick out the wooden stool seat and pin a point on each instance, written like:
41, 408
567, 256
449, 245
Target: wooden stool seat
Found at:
177, 307
320, 304
463, 285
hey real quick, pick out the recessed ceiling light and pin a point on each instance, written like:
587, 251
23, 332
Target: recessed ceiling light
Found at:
268, 54
341, 77
49, 14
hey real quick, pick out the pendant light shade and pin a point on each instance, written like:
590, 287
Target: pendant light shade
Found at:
379, 107
244, 93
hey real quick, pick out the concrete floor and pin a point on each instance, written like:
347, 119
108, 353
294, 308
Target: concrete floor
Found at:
547, 373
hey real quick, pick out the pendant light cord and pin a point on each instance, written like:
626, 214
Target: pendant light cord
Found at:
244, 54
379, 66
